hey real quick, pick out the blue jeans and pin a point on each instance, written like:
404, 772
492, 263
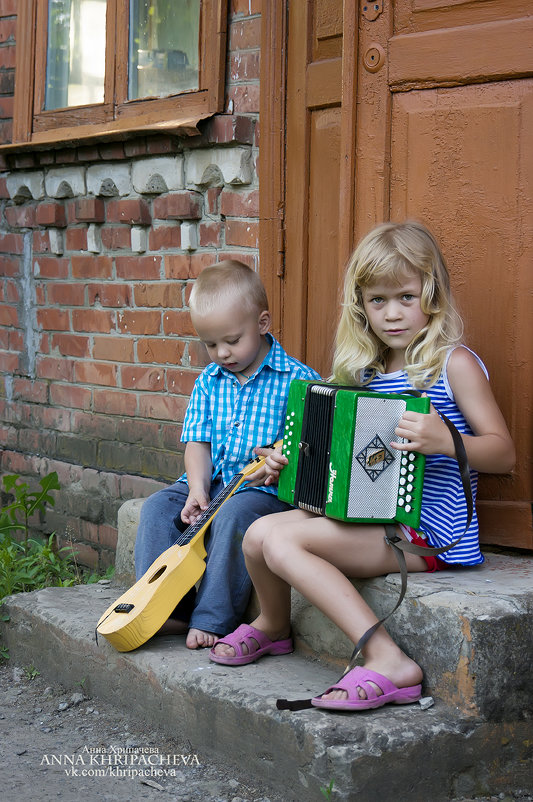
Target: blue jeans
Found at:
225, 586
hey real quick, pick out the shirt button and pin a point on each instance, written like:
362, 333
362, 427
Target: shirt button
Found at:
237, 424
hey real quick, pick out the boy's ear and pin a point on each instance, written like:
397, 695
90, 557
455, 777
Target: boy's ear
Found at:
264, 321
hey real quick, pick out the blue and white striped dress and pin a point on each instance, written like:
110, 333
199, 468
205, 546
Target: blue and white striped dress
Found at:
444, 512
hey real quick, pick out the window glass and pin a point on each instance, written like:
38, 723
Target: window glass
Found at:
163, 52
75, 53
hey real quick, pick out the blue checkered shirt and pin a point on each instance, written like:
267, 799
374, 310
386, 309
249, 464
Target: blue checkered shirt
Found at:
235, 418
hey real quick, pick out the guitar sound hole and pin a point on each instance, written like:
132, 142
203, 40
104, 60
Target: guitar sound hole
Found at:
158, 574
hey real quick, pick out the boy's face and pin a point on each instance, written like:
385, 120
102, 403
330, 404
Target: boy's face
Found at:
234, 337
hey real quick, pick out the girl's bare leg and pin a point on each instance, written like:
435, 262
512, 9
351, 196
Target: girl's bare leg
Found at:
315, 555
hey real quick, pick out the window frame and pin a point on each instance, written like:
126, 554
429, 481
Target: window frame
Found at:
116, 115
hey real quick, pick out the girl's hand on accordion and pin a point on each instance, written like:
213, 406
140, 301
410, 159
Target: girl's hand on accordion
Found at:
268, 473
426, 434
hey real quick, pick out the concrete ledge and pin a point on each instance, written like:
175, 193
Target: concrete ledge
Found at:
400, 752
471, 630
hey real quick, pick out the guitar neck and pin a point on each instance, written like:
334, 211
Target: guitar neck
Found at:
202, 522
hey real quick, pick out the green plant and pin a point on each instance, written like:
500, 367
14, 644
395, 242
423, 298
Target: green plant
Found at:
30, 672
328, 789
17, 514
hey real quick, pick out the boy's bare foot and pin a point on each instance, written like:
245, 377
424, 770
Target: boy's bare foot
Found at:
198, 639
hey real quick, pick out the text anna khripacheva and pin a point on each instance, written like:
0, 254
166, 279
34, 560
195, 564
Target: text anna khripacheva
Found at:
116, 761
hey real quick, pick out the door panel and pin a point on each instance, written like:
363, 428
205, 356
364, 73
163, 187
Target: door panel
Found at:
420, 109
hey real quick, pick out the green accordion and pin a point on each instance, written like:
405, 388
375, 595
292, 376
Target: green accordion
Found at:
337, 440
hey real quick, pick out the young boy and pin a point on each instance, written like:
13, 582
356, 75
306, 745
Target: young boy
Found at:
238, 403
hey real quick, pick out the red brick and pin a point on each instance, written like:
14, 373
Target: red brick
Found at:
51, 267
11, 243
164, 238
53, 319
129, 211
20, 216
7, 57
225, 128
89, 210
76, 239
137, 378
135, 147
111, 150
30, 390
178, 206
3, 188
209, 234
160, 351
41, 242
199, 261
138, 267
88, 153
51, 214
115, 403
177, 265
162, 407
239, 204
107, 536
58, 369
245, 66
249, 259
245, 234
167, 295
181, 381
66, 294
245, 98
96, 373
160, 144
11, 292
139, 322
178, 323
70, 396
114, 295
6, 107
198, 354
9, 265
8, 316
116, 238
9, 363
245, 34
115, 349
213, 203
92, 266
93, 320
71, 345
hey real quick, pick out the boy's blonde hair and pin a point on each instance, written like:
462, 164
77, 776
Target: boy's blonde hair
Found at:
225, 281
389, 252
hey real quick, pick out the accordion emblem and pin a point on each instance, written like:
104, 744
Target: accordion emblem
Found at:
337, 440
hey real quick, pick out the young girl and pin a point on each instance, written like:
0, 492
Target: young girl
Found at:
398, 330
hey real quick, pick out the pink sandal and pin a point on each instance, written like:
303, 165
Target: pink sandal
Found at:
361, 678
257, 643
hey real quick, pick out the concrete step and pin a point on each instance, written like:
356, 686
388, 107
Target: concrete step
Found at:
480, 743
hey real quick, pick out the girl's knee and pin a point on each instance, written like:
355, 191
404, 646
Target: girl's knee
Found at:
252, 545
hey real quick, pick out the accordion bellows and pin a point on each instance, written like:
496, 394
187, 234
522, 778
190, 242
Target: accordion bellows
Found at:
337, 440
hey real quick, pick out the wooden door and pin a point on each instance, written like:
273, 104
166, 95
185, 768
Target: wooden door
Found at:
432, 120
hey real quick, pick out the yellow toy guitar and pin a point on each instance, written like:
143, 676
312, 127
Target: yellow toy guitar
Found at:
144, 608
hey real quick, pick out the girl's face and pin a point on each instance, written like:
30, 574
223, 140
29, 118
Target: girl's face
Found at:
394, 313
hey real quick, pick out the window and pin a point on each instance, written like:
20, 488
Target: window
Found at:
98, 67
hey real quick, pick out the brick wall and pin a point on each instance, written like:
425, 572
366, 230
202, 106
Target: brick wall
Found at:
99, 248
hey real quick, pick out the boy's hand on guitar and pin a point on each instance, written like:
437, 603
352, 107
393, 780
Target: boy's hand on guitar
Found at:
268, 473
427, 434
197, 502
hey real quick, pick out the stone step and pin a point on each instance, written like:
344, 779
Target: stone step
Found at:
396, 752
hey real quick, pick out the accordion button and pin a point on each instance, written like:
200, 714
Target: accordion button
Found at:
412, 457
403, 471
408, 508
401, 502
408, 497
409, 488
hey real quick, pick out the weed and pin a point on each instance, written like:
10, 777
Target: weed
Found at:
328, 789
30, 672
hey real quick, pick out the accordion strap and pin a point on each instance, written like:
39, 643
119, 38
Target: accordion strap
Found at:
400, 546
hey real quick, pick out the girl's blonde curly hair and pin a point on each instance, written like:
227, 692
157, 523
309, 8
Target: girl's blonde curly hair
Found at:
389, 252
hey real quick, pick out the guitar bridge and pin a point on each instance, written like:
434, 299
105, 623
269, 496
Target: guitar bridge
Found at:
124, 608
